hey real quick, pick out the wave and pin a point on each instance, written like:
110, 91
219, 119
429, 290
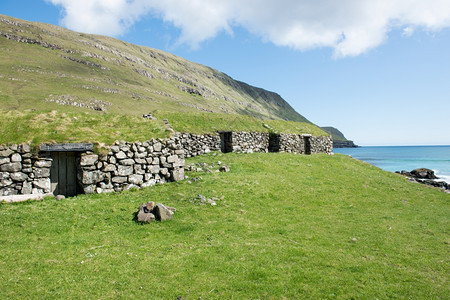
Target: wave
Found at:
442, 177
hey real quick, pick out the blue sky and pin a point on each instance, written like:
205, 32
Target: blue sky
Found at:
379, 71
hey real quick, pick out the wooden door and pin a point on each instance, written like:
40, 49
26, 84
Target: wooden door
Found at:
63, 174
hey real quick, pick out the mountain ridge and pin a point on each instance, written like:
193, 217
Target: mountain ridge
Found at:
46, 64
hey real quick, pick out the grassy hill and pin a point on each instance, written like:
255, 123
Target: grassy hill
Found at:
286, 226
44, 66
63, 86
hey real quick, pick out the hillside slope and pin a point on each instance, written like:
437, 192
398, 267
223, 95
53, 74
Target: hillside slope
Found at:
339, 140
42, 64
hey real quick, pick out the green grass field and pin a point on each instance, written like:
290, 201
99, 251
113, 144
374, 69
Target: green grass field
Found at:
104, 128
288, 226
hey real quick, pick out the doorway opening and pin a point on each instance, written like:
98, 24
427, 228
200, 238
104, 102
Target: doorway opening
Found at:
63, 174
274, 142
226, 141
307, 143
65, 167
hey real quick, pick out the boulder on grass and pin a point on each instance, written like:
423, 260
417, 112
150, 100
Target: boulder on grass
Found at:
145, 214
162, 213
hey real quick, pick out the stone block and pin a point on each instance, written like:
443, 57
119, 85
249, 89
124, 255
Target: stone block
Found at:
178, 174
41, 172
88, 178
4, 160
26, 188
43, 163
43, 183
140, 161
119, 179
24, 148
140, 155
171, 159
149, 183
127, 162
135, 179
16, 157
5, 182
6, 153
88, 160
154, 169
125, 170
11, 167
115, 149
157, 147
121, 155
89, 189
19, 176
112, 160
110, 168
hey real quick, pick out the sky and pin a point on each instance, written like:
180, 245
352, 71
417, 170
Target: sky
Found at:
379, 71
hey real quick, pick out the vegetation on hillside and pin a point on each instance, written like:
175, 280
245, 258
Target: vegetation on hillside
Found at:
38, 127
46, 67
286, 226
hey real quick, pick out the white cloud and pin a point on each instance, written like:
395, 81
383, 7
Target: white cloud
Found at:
350, 27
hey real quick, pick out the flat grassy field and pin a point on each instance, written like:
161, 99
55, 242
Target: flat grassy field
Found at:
286, 226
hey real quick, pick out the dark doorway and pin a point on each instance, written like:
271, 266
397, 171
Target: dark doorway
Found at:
307, 143
226, 141
63, 174
274, 142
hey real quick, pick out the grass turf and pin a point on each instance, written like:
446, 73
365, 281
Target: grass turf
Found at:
288, 226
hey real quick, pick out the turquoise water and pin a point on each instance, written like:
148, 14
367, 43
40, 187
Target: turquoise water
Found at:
397, 158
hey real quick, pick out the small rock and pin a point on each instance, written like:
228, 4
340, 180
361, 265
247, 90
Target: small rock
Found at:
60, 197
144, 215
224, 169
162, 213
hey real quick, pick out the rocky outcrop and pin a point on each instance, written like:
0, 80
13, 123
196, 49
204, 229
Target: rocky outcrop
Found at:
344, 144
425, 176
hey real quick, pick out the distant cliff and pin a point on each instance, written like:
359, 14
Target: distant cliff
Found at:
339, 140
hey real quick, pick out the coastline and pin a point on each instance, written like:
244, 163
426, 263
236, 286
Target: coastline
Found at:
405, 158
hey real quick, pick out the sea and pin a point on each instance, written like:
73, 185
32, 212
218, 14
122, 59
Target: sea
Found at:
398, 158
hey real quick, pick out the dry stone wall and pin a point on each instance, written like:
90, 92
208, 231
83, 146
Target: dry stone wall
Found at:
196, 144
130, 165
21, 172
295, 143
321, 144
249, 142
139, 164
